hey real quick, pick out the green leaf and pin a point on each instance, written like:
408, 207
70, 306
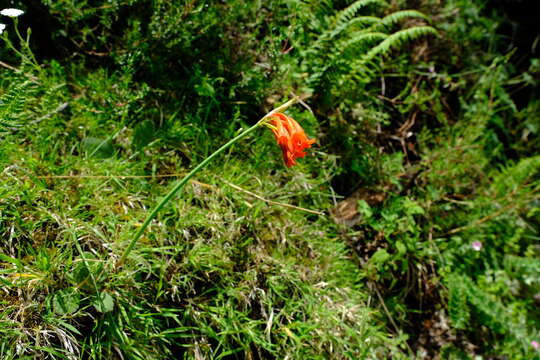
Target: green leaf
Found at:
11, 260
80, 271
364, 209
401, 248
104, 303
97, 148
143, 134
380, 257
68, 326
412, 207
66, 301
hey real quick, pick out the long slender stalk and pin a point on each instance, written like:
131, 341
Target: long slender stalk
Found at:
186, 178
30, 58
177, 188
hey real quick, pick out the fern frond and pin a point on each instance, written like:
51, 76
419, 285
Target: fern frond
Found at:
13, 104
362, 39
356, 22
348, 13
364, 20
522, 267
396, 17
458, 307
498, 317
339, 60
343, 53
398, 39
516, 176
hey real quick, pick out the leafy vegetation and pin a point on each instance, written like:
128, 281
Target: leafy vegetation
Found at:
410, 232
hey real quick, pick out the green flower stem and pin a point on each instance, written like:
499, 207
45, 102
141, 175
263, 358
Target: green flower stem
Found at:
29, 57
186, 178
178, 187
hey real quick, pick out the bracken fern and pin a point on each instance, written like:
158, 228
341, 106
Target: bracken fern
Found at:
346, 48
13, 103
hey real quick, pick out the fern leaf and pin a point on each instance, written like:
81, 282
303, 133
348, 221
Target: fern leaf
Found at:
13, 104
363, 20
499, 318
396, 17
348, 13
458, 307
516, 176
362, 39
398, 39
360, 21
521, 267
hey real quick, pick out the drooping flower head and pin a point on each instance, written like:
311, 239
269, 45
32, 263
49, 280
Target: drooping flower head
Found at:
12, 12
2, 27
290, 137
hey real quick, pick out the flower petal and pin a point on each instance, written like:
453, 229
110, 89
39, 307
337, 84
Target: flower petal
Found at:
290, 137
11, 12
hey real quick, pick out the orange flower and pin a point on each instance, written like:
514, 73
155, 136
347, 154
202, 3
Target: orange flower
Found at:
290, 137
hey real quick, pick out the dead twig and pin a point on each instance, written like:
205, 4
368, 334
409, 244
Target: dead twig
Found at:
13, 68
60, 108
388, 314
107, 176
271, 201
482, 220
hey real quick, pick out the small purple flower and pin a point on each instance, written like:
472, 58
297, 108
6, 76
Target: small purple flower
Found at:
535, 344
476, 245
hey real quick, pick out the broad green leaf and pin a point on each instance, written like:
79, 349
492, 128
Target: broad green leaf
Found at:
104, 303
66, 301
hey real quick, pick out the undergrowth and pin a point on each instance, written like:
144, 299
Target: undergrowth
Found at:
414, 226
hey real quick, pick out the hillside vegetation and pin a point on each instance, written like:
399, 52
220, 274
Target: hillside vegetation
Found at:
410, 230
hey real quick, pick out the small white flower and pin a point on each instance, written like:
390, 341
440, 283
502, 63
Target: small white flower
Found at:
12, 12
2, 27
477, 245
